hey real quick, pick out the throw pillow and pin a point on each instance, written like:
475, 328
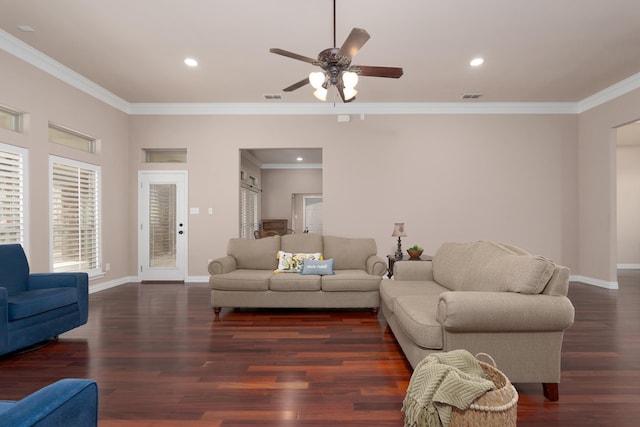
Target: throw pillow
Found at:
322, 267
292, 263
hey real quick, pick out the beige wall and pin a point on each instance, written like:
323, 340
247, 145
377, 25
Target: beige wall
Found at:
628, 195
45, 99
461, 178
278, 185
597, 191
543, 182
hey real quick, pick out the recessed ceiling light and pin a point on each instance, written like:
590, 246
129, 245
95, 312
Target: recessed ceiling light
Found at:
25, 28
299, 159
476, 62
191, 62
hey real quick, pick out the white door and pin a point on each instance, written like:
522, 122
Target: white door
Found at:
313, 214
162, 228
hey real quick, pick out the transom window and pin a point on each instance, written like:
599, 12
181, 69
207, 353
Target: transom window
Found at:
61, 135
10, 119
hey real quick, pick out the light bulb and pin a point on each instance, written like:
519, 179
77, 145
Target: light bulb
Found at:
349, 79
349, 93
316, 78
321, 93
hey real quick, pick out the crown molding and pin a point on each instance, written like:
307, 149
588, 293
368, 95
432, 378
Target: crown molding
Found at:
21, 50
358, 108
618, 89
291, 166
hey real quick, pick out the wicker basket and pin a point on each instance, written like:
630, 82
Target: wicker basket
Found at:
495, 408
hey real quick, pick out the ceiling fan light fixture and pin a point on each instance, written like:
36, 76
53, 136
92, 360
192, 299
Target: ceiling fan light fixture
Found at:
321, 93
349, 79
317, 78
349, 93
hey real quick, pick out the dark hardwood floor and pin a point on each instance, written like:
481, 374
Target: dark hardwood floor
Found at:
161, 360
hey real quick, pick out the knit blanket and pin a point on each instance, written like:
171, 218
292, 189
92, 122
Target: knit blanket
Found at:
439, 382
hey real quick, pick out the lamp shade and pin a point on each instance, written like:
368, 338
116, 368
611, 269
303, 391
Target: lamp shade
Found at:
349, 93
321, 93
398, 230
316, 78
349, 79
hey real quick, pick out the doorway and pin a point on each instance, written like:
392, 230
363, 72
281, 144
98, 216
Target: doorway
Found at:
162, 231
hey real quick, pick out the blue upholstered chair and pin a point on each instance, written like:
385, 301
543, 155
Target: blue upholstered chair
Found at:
35, 307
65, 403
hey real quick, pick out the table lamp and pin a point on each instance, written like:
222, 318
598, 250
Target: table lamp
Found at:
398, 231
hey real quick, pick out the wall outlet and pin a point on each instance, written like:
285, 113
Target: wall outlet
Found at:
107, 267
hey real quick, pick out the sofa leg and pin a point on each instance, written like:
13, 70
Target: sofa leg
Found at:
550, 391
375, 310
216, 311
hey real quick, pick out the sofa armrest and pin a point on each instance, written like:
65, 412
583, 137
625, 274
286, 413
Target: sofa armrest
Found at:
68, 402
376, 266
413, 270
225, 264
4, 319
503, 311
80, 281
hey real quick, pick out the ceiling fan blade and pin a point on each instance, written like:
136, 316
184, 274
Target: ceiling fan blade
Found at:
356, 39
293, 55
296, 85
372, 71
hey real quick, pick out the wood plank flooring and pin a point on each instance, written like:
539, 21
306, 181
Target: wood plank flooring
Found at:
160, 360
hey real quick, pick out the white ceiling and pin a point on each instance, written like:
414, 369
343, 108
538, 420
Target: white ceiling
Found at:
534, 51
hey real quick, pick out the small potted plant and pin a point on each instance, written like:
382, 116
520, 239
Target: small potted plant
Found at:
415, 251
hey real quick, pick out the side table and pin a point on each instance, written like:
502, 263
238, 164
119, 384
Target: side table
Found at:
392, 260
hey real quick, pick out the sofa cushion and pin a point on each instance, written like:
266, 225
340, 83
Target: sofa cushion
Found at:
242, 280
390, 290
320, 267
450, 264
292, 262
494, 267
416, 315
294, 282
255, 254
302, 242
30, 303
350, 280
349, 253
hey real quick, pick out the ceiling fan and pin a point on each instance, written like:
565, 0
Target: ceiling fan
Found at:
336, 65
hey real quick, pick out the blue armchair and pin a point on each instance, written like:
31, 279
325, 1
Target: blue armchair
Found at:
38, 306
66, 403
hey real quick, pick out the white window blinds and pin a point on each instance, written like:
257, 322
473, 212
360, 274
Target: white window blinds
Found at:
12, 195
75, 221
249, 211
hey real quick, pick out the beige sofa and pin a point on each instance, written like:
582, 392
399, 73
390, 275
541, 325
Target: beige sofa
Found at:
483, 297
247, 277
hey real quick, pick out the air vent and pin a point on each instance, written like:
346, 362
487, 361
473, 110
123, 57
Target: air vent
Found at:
471, 95
275, 96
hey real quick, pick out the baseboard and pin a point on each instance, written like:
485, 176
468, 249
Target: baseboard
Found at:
594, 282
628, 266
197, 279
111, 284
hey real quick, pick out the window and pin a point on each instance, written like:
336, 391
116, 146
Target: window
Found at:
75, 219
249, 210
64, 136
10, 119
12, 194
161, 155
